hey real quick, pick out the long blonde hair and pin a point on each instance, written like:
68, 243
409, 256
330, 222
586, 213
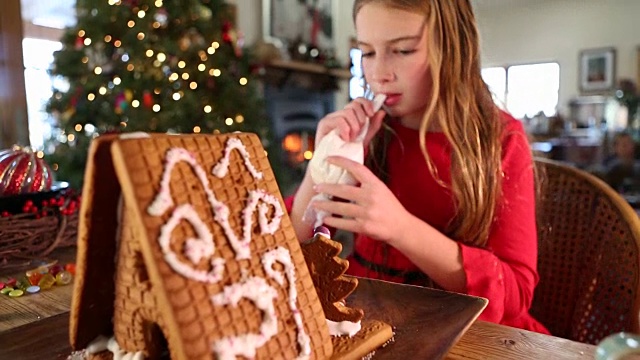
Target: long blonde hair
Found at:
462, 107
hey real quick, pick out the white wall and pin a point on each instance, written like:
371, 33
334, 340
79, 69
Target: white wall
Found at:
516, 32
558, 30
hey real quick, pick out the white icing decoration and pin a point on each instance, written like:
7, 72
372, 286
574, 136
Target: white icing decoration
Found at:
262, 295
163, 199
254, 288
221, 211
241, 246
195, 249
118, 353
222, 167
97, 345
283, 256
78, 355
263, 210
135, 135
343, 328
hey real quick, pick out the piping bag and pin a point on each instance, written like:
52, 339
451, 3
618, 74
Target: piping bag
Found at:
323, 172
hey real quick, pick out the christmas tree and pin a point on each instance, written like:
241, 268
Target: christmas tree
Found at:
174, 66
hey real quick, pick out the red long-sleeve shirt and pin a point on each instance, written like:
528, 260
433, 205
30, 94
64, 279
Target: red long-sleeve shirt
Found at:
505, 270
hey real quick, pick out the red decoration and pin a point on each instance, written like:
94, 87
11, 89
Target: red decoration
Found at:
147, 99
231, 37
79, 44
21, 172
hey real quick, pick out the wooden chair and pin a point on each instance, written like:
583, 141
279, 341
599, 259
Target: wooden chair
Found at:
589, 256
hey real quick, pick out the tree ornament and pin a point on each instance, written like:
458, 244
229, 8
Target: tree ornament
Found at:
232, 37
162, 17
226, 32
204, 12
21, 172
184, 43
147, 99
120, 103
79, 44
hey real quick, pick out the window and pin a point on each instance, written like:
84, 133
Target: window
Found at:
525, 90
356, 83
38, 57
496, 79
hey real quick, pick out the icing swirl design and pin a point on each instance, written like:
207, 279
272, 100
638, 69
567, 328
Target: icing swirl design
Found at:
202, 247
262, 295
283, 256
222, 167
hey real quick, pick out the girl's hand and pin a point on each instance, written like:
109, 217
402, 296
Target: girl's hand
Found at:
372, 209
350, 121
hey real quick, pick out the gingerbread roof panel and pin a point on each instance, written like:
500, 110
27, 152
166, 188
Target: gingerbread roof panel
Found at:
221, 255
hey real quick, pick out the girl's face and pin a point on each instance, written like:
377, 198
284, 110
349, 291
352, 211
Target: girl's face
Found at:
394, 59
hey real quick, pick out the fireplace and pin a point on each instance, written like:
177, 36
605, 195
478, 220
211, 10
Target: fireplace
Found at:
294, 112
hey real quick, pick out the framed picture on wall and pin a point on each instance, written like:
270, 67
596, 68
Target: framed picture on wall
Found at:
294, 21
597, 70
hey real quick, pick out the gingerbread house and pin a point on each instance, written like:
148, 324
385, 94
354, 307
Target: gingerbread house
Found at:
185, 251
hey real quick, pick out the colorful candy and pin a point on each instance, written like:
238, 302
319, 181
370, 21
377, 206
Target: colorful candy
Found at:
35, 277
55, 269
71, 267
23, 283
63, 277
16, 293
41, 278
6, 290
47, 281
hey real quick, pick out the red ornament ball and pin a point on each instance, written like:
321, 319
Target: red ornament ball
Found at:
22, 172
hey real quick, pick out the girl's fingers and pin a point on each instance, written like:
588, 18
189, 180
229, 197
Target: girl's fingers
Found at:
342, 191
366, 105
362, 110
346, 224
339, 208
351, 118
359, 172
375, 123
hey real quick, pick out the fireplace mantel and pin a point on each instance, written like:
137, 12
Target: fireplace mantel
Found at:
304, 75
308, 67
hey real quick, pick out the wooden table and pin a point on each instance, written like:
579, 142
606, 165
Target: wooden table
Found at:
36, 326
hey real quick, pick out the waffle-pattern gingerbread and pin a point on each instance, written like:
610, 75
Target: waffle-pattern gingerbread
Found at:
185, 250
352, 337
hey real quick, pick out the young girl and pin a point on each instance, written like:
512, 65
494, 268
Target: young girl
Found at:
446, 195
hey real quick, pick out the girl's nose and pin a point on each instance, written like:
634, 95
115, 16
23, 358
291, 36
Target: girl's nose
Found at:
382, 72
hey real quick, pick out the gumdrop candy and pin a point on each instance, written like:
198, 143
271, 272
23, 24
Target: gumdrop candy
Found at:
47, 281
70, 267
63, 278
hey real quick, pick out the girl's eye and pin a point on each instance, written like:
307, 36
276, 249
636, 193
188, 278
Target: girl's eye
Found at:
405, 52
367, 54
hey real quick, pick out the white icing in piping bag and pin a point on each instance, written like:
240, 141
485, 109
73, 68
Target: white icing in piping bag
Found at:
323, 172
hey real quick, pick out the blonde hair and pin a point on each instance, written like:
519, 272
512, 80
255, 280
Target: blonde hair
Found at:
462, 107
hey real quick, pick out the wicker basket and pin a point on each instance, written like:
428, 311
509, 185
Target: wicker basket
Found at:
27, 236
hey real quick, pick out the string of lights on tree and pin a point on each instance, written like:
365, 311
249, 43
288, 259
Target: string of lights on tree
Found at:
158, 66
